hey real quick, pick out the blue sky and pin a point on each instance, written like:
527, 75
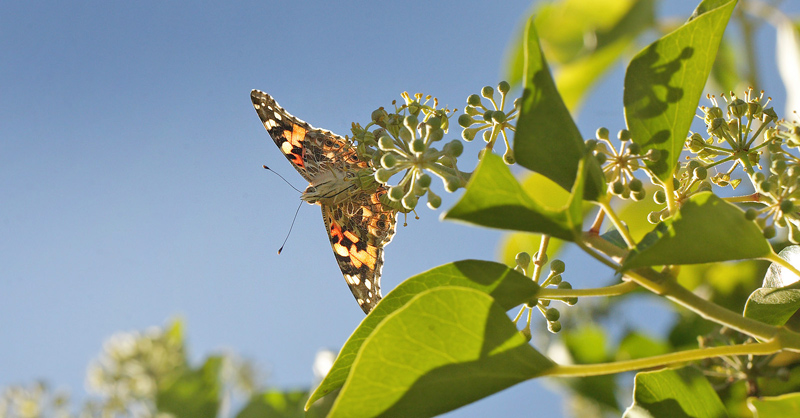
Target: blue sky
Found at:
131, 187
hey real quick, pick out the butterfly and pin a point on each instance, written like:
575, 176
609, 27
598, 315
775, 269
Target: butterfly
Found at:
358, 224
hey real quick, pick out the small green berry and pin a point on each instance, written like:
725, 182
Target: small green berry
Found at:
388, 160
557, 266
554, 326
602, 133
523, 259
487, 92
474, 100
552, 314
465, 120
503, 87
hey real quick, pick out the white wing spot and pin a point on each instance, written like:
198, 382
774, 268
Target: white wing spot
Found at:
361, 301
368, 285
352, 279
278, 116
270, 124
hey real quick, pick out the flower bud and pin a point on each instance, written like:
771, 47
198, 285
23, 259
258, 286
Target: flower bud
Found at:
424, 181
552, 314
434, 122
379, 116
396, 193
602, 133
474, 100
498, 116
503, 87
634, 148
453, 148
434, 201
469, 134
508, 157
554, 326
487, 92
635, 185
695, 142
737, 108
786, 206
700, 173
385, 143
409, 201
418, 146
653, 155
523, 259
452, 183
388, 160
624, 135
750, 214
435, 134
383, 175
487, 115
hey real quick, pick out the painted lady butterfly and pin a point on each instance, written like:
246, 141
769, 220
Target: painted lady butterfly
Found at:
358, 224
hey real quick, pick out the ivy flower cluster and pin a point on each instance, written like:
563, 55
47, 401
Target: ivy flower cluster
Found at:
554, 279
493, 120
620, 165
740, 135
405, 141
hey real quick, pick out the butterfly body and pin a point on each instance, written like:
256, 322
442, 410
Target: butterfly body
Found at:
358, 224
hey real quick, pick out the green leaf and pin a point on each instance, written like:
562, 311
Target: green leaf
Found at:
706, 229
587, 345
547, 140
194, 393
508, 287
447, 347
548, 194
663, 83
275, 404
674, 393
772, 303
787, 405
495, 199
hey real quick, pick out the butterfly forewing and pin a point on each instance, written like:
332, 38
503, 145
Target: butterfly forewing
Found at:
358, 227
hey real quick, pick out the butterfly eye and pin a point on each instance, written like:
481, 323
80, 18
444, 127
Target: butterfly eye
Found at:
310, 189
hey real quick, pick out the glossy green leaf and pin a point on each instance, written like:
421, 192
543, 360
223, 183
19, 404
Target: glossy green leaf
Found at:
548, 194
193, 394
706, 229
664, 82
509, 288
787, 405
588, 345
772, 303
445, 348
495, 199
547, 140
674, 393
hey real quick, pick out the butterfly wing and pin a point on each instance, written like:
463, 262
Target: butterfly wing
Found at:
310, 150
358, 230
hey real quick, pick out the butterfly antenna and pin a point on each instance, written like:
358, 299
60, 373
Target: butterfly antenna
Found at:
287, 181
291, 226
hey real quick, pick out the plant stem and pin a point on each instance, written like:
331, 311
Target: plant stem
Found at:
769, 347
613, 290
623, 231
783, 263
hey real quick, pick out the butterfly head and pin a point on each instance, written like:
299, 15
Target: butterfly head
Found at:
330, 187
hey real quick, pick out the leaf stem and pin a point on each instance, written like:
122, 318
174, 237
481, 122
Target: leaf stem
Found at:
613, 290
769, 347
623, 231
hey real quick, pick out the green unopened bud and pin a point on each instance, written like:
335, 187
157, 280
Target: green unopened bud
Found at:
700, 173
590, 144
487, 92
737, 108
503, 87
474, 100
388, 160
750, 214
601, 158
410, 201
385, 143
469, 134
498, 116
434, 122
733, 127
424, 181
396, 193
769, 115
508, 157
411, 122
778, 166
434, 201
787, 206
487, 136
617, 188
654, 217
624, 135
635, 185
406, 134
556, 279
383, 175
552, 314
634, 148
660, 197
557, 266
454, 148
418, 146
639, 195
487, 115
523, 259
554, 326
769, 232
452, 183
436, 134
602, 133
754, 108
466, 120
653, 155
